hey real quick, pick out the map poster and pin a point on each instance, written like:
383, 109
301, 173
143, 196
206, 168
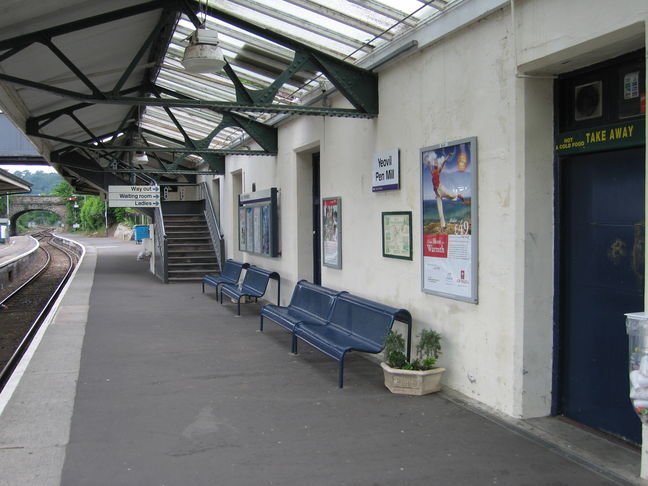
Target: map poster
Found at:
449, 219
397, 234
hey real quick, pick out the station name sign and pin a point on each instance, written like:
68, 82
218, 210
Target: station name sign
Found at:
386, 171
134, 196
620, 135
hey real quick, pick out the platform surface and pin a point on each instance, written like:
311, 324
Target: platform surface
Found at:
17, 246
139, 383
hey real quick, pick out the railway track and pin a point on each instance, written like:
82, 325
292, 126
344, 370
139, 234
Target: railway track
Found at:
24, 310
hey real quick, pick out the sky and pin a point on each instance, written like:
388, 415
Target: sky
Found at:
31, 168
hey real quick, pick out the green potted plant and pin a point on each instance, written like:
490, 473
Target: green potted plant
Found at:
418, 377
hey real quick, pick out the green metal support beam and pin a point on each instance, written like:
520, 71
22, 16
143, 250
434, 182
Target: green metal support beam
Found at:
358, 85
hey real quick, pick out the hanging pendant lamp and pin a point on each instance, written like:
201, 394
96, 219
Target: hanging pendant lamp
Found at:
203, 55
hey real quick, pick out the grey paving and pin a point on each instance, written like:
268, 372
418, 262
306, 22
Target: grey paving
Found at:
173, 389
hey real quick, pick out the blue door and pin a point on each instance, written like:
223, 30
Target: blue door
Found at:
602, 268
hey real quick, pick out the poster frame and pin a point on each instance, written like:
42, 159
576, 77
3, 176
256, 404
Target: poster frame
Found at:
328, 245
407, 215
258, 223
473, 264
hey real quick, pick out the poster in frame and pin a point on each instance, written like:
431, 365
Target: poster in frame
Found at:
332, 232
449, 224
258, 222
397, 234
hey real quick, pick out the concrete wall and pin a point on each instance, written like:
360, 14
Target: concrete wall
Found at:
492, 80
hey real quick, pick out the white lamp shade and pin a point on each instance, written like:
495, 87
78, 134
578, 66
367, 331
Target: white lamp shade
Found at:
203, 55
140, 158
203, 58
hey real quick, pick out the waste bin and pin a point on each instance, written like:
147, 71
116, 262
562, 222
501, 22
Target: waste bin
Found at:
637, 328
141, 232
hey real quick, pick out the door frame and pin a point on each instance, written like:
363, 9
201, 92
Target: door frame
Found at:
608, 67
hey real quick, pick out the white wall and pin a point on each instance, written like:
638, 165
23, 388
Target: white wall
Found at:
500, 350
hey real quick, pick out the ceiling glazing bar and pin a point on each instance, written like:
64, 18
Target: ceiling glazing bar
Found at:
292, 19
339, 16
386, 10
358, 85
175, 121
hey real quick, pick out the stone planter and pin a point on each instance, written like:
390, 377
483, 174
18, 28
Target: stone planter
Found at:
412, 382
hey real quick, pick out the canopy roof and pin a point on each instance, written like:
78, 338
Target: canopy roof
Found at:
98, 81
10, 183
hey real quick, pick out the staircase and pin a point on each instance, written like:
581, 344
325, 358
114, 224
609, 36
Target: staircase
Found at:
190, 250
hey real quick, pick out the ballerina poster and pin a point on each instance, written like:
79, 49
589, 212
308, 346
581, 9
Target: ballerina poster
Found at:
449, 217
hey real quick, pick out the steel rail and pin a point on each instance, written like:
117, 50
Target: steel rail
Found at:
10, 366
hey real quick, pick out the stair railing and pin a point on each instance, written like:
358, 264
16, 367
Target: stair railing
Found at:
214, 226
161, 248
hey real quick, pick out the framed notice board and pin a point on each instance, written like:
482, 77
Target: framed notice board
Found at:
258, 222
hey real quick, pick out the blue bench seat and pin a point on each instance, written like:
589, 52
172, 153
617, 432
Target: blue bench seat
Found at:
355, 324
254, 285
230, 275
310, 303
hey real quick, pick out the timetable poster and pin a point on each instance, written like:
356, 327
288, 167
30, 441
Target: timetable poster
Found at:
249, 220
242, 230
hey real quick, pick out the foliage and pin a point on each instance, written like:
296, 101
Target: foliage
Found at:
123, 215
3, 205
92, 213
65, 192
39, 218
42, 182
428, 351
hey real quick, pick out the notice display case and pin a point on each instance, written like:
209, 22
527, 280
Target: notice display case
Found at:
258, 222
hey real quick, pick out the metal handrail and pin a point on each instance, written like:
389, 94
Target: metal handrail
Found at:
161, 247
215, 232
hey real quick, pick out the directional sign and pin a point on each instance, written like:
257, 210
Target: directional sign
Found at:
134, 196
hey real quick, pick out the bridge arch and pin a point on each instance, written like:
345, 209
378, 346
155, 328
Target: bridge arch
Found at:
23, 204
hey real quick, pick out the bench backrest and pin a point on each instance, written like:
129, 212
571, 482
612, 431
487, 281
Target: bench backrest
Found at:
362, 317
232, 269
257, 278
314, 299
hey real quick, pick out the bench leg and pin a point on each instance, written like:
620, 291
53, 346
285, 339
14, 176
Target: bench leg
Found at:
203, 286
238, 307
293, 345
341, 374
261, 324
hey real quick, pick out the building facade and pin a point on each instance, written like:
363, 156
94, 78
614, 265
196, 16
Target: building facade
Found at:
538, 87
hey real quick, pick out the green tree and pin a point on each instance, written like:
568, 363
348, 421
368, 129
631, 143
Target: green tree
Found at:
66, 192
42, 182
92, 213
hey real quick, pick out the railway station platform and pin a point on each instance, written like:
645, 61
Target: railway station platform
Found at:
17, 246
133, 382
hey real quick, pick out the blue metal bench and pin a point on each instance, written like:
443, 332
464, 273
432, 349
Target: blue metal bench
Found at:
230, 275
309, 303
355, 324
254, 285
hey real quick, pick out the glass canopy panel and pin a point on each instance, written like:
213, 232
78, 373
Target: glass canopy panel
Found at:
345, 29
